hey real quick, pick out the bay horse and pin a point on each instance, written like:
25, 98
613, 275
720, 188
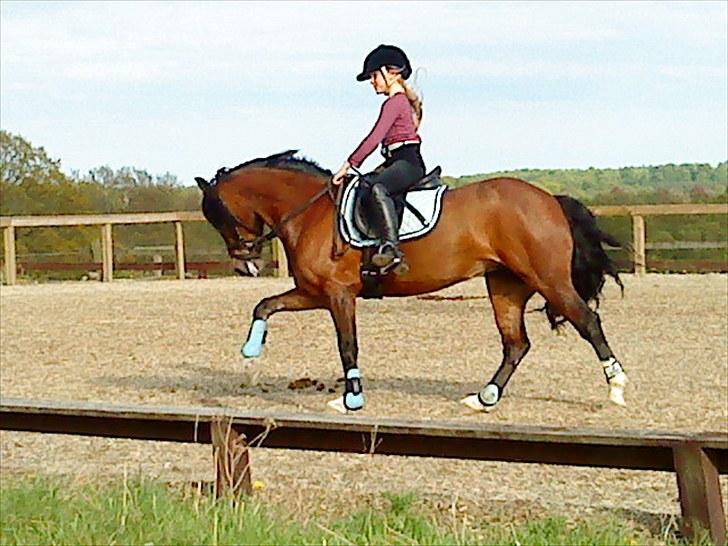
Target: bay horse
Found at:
522, 239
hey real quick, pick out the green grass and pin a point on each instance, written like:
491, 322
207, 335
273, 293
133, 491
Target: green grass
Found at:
51, 511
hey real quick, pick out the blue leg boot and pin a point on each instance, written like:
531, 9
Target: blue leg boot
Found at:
256, 339
353, 399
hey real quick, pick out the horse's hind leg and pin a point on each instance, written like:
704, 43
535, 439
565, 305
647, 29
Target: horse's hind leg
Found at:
293, 300
567, 301
508, 295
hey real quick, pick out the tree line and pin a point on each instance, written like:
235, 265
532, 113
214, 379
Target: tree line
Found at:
31, 182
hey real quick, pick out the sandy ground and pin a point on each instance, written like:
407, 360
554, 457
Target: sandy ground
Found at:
177, 343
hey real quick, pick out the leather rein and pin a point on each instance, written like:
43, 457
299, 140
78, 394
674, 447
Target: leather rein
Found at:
274, 232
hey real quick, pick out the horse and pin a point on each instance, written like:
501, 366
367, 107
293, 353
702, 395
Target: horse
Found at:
520, 238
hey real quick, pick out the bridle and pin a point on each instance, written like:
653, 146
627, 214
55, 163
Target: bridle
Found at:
254, 246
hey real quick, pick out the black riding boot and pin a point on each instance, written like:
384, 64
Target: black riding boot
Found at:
389, 257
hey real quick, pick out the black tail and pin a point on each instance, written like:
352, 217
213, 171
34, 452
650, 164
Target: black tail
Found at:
589, 262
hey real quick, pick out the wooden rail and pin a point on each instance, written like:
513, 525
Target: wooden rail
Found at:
697, 459
638, 213
202, 268
9, 224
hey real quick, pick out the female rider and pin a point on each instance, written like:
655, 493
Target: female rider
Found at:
387, 68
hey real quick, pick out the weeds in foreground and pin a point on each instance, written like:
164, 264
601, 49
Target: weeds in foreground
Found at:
54, 511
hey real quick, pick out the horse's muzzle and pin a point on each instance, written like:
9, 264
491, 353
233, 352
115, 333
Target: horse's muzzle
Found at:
246, 268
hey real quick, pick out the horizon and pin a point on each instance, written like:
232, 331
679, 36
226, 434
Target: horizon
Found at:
186, 88
75, 174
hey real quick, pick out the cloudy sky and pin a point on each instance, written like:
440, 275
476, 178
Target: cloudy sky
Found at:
188, 87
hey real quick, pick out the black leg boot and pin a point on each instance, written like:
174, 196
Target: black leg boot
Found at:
389, 257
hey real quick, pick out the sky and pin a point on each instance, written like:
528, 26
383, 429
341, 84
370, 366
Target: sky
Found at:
189, 87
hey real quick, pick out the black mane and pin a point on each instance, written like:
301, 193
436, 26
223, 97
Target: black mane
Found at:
283, 160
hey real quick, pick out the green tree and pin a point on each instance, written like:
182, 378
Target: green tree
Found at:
21, 162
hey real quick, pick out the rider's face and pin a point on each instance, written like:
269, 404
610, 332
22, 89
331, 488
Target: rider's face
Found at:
378, 82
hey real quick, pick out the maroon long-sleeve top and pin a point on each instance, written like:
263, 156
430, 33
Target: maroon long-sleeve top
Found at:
394, 124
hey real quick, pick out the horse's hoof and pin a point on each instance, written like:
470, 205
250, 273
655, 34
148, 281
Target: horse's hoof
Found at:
250, 376
616, 388
616, 395
338, 405
473, 402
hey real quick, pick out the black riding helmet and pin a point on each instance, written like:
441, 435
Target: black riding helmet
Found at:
385, 55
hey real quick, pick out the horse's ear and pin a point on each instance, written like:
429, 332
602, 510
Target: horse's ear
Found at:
202, 183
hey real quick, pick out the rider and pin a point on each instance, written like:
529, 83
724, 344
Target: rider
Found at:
387, 68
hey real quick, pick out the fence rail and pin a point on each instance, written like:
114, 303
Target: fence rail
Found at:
9, 224
697, 459
202, 268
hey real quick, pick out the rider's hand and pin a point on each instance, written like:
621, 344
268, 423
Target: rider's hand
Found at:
338, 178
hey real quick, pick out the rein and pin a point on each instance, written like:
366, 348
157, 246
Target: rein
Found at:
275, 230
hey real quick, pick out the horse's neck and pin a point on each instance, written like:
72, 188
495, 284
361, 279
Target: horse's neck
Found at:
279, 193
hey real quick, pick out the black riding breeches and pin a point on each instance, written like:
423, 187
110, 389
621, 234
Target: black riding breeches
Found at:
400, 171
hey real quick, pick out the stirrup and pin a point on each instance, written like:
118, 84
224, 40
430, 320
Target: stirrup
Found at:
390, 258
386, 254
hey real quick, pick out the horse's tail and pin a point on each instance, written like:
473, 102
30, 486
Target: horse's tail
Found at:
589, 262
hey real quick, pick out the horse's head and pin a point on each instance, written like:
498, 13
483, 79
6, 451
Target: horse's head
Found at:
271, 191
239, 231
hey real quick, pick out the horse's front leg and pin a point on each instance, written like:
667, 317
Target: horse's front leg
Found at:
342, 306
293, 300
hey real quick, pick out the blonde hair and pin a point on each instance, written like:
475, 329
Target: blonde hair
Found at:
414, 99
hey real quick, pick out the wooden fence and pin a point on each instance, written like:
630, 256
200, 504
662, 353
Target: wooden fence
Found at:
638, 213
106, 221
697, 459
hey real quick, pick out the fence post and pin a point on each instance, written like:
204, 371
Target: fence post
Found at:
638, 244
9, 253
180, 250
279, 255
158, 259
700, 498
232, 459
107, 253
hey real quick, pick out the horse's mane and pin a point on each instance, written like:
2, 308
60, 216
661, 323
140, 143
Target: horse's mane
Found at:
283, 160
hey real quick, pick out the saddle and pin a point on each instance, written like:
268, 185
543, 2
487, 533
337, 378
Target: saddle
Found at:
418, 212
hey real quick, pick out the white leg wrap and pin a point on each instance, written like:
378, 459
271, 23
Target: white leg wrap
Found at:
617, 380
490, 395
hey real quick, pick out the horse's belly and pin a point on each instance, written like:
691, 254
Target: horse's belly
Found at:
420, 281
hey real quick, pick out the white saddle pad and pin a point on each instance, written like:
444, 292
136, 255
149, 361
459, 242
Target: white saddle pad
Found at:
427, 202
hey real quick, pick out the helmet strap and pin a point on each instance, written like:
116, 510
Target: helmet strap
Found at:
387, 82
384, 75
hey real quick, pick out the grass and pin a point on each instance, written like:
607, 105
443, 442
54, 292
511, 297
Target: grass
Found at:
55, 511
